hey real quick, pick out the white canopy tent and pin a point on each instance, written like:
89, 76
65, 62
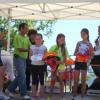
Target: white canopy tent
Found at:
45, 11
49, 10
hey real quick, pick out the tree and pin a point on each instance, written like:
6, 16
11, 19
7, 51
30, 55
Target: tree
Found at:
44, 26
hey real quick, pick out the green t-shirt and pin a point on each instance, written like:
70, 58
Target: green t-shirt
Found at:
59, 54
21, 42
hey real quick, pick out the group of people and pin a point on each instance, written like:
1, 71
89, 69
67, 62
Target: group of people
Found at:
29, 51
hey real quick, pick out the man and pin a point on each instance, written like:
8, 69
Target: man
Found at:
97, 52
96, 64
96, 59
21, 45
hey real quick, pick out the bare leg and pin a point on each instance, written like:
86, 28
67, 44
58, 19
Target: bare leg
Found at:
61, 75
83, 81
76, 79
34, 92
42, 88
52, 84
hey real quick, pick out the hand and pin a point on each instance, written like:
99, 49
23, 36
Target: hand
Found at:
23, 50
58, 62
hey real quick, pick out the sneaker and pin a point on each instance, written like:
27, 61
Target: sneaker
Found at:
34, 98
62, 98
4, 97
82, 98
26, 97
9, 93
75, 98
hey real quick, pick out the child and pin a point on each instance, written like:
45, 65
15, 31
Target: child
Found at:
61, 51
2, 73
37, 52
31, 35
83, 53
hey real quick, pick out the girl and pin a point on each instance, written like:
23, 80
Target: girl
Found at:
31, 35
37, 52
61, 51
83, 53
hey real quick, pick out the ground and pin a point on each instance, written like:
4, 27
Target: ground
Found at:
67, 97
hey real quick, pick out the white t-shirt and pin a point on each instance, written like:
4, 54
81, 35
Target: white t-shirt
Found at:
38, 53
97, 52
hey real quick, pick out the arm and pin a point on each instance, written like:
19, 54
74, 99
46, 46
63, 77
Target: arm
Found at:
30, 53
45, 51
91, 50
18, 46
22, 50
76, 49
25, 49
67, 53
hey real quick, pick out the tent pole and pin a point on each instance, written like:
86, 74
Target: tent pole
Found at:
9, 28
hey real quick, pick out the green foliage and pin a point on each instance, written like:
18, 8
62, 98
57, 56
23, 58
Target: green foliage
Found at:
42, 26
3, 24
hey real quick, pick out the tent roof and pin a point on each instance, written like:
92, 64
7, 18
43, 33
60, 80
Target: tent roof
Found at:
45, 11
47, 1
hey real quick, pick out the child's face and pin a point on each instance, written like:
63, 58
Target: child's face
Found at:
32, 37
84, 36
61, 41
38, 40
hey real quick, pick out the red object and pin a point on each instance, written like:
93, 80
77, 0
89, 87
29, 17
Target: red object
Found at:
50, 59
52, 63
49, 55
69, 62
82, 58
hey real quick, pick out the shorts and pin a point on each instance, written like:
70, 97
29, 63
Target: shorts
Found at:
81, 66
38, 72
1, 64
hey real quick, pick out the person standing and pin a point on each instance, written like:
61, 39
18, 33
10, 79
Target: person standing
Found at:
36, 55
97, 52
95, 62
31, 34
83, 53
61, 51
21, 46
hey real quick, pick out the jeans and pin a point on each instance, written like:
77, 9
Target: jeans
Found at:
20, 79
28, 76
